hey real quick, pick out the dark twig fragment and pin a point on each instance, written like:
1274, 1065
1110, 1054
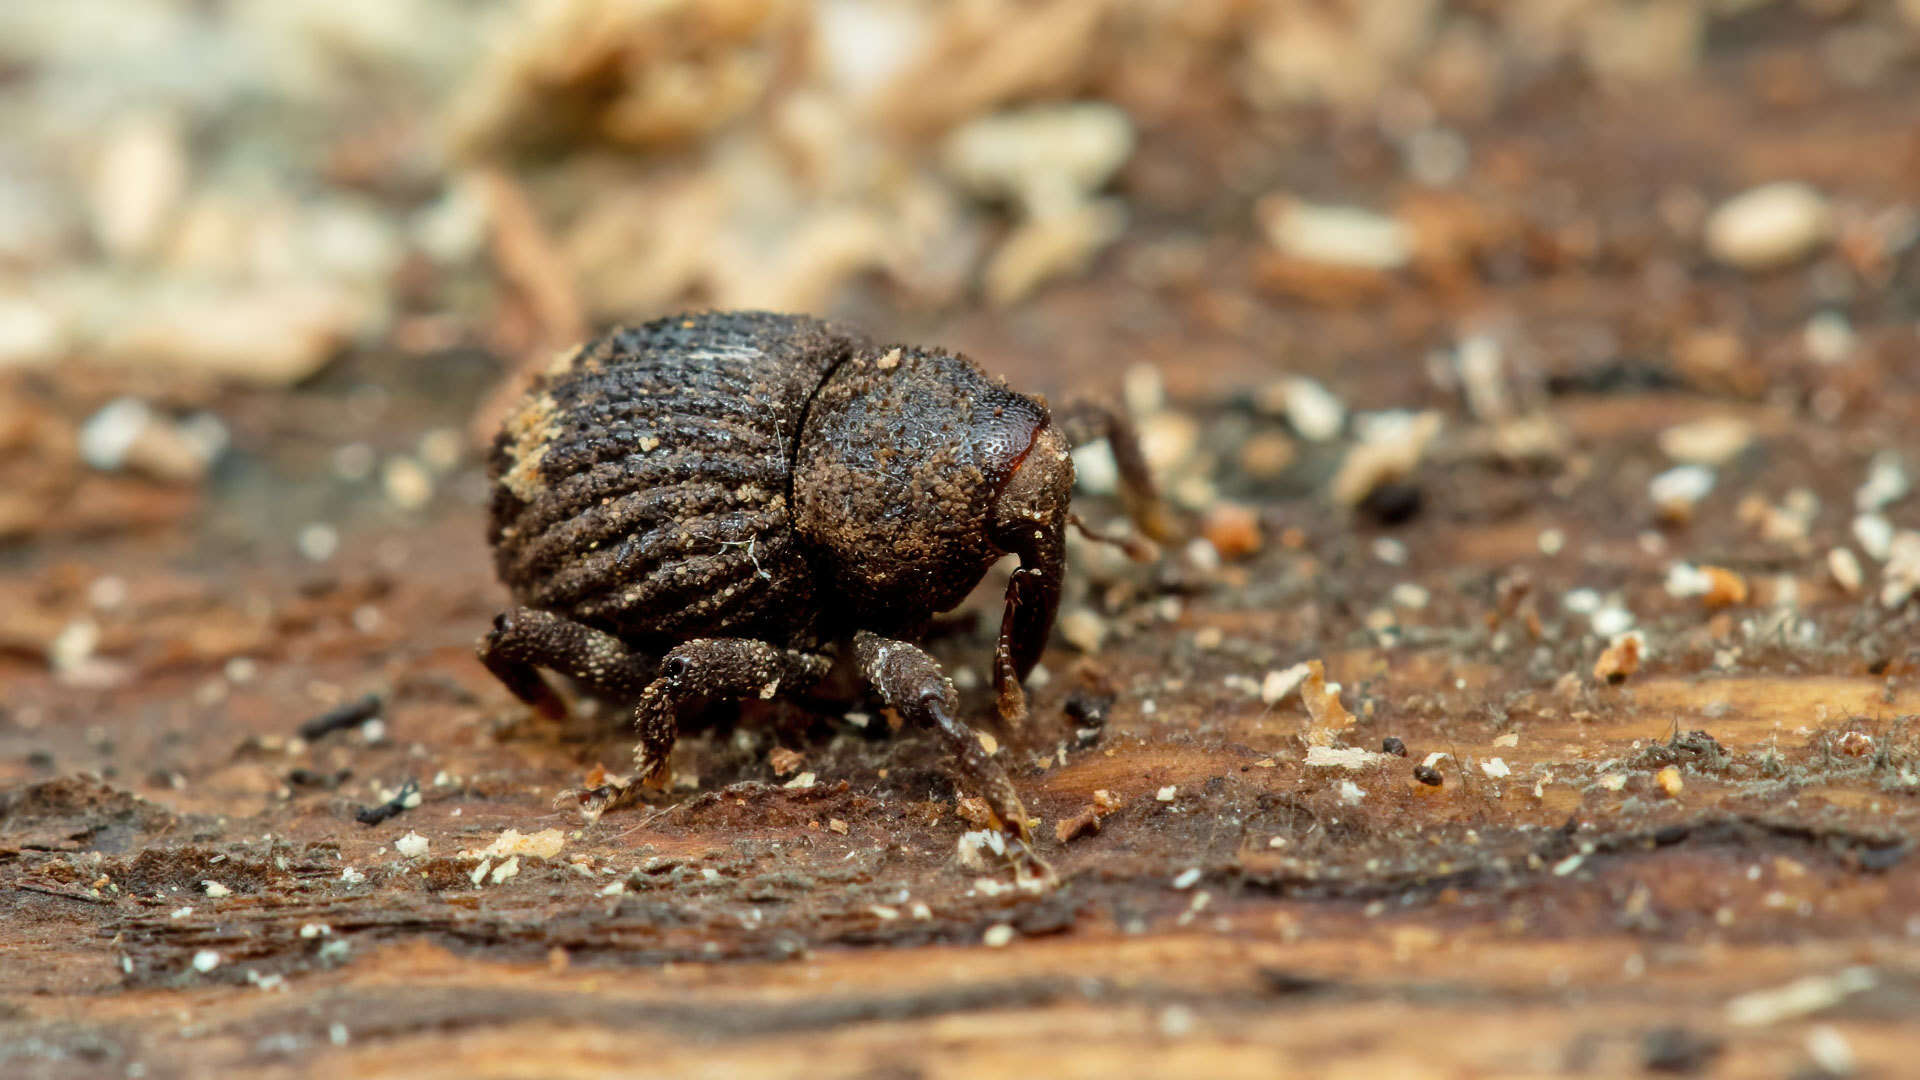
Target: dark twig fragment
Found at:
349, 714
405, 799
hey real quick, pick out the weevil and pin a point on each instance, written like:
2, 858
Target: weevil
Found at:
719, 506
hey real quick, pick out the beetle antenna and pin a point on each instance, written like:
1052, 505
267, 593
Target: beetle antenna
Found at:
1138, 548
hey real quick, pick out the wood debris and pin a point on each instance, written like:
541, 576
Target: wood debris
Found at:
1620, 660
1330, 717
544, 844
1087, 821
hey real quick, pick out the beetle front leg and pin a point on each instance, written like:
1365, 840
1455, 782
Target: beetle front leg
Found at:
713, 669
1033, 595
1083, 422
904, 677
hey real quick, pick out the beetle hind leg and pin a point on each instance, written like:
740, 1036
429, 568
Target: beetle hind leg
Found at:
524, 640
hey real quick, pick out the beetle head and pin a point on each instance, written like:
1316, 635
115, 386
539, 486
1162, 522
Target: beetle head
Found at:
1030, 520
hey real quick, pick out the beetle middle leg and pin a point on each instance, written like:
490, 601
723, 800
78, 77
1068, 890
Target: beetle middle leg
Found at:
710, 669
524, 640
903, 676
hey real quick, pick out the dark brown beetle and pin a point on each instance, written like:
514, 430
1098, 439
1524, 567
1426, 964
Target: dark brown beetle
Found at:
713, 506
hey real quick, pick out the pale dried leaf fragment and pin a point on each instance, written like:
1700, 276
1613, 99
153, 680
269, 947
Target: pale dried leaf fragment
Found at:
646, 75
1341, 236
1276, 685
1675, 492
1769, 226
967, 850
1309, 407
980, 56
1342, 757
1084, 629
1391, 451
265, 334
1902, 575
1711, 441
1844, 565
1764, 1008
1048, 157
1886, 483
1058, 245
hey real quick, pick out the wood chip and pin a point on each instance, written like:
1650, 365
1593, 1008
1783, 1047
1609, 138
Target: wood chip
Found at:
1619, 661
544, 844
1330, 717
1087, 821
974, 811
1670, 783
1724, 587
1234, 530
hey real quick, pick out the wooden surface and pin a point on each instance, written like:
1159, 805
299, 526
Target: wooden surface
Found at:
1241, 913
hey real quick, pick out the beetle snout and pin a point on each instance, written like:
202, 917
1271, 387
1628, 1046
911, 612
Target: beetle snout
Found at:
1035, 495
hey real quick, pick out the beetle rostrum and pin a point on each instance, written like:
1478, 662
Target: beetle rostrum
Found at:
718, 506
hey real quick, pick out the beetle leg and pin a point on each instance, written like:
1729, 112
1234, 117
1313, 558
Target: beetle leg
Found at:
524, 640
1082, 422
903, 676
706, 669
1033, 594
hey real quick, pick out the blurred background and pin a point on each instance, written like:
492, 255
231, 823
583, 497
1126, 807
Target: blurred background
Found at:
265, 266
